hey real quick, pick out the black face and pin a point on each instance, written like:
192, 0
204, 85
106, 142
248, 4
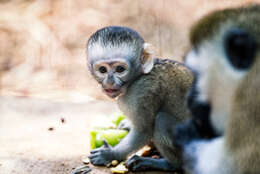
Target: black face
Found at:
240, 48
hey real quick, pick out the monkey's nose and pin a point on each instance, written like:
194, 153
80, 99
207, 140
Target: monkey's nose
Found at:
110, 79
108, 85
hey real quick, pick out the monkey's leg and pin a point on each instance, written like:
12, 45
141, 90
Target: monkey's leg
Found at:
163, 138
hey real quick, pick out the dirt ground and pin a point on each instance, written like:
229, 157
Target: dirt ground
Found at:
28, 146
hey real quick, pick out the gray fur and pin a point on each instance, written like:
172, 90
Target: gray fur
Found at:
153, 102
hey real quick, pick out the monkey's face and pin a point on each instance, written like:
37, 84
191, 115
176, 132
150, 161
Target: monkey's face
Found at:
225, 61
113, 74
220, 64
113, 66
116, 57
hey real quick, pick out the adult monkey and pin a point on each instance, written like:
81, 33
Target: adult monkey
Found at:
222, 137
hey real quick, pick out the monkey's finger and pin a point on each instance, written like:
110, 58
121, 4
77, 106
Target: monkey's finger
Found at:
138, 164
132, 161
98, 161
95, 161
139, 168
93, 155
95, 151
105, 143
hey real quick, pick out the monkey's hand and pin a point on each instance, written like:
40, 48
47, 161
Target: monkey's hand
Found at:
102, 156
125, 125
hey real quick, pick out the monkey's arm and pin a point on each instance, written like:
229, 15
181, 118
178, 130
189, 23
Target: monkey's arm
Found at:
140, 104
136, 138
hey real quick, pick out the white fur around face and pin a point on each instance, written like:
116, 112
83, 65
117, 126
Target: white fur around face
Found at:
201, 67
210, 157
97, 51
217, 80
217, 83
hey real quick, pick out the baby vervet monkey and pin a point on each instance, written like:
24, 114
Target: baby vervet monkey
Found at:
222, 137
149, 91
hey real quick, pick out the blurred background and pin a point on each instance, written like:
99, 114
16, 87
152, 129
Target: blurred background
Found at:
47, 97
42, 42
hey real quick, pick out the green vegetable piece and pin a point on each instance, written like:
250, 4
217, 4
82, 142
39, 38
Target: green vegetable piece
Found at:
112, 136
118, 118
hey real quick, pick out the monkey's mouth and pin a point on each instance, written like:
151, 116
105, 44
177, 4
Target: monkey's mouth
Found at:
112, 92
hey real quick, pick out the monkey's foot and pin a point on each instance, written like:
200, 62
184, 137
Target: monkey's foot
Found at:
81, 170
138, 164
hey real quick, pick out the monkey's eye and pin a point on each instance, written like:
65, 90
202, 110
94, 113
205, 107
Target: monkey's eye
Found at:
240, 48
120, 69
102, 69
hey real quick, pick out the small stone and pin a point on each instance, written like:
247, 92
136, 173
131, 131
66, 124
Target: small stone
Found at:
121, 168
62, 120
114, 162
108, 165
156, 157
85, 160
145, 151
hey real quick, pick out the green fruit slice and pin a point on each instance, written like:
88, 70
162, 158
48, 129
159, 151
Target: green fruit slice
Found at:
112, 136
118, 118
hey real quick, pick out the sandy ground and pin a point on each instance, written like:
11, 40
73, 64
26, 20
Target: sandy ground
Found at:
29, 147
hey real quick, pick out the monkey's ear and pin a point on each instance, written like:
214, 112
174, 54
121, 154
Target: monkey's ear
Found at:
147, 58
